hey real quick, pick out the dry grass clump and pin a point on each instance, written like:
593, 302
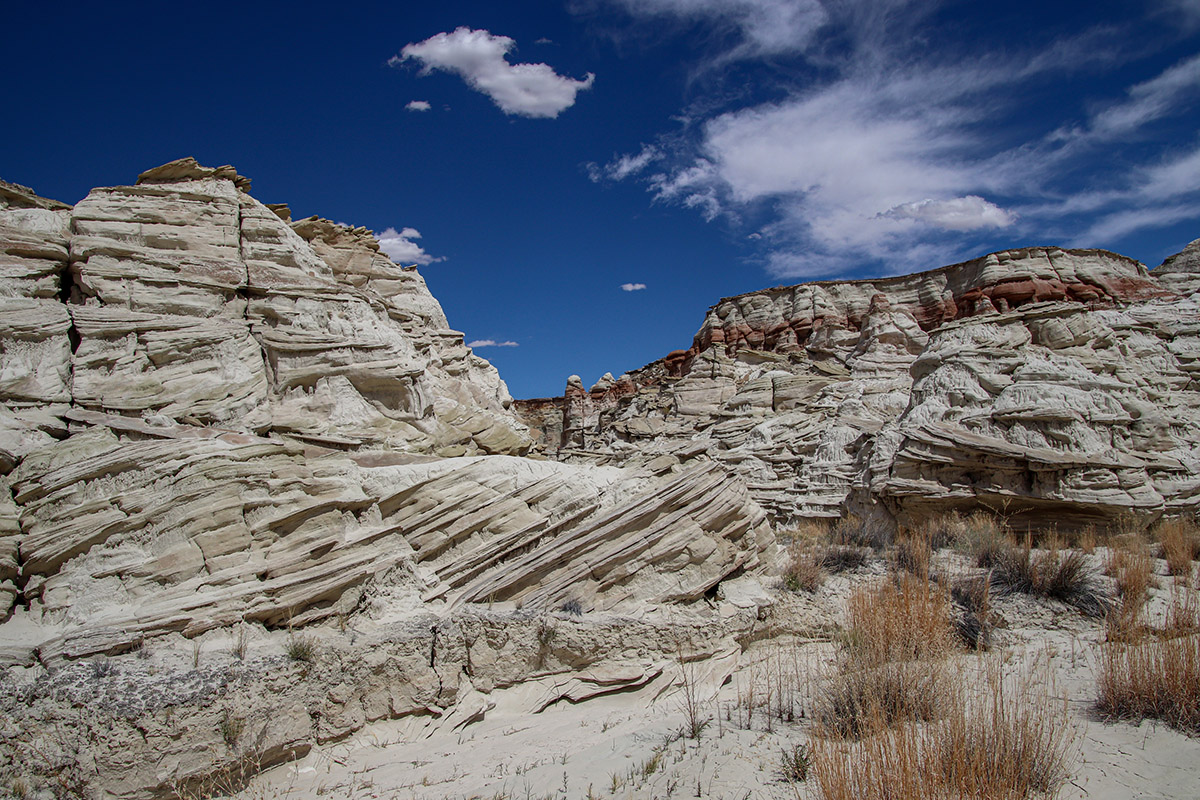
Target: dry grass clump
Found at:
898, 620
854, 531
913, 553
1132, 566
976, 620
1055, 574
1152, 678
1005, 745
891, 667
983, 538
837, 558
1180, 543
804, 572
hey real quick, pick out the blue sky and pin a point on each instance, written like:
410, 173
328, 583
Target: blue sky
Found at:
588, 176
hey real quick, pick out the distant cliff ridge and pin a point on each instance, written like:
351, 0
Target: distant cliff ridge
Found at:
1042, 381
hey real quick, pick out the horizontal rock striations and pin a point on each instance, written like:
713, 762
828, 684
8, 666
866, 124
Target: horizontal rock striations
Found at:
1032, 382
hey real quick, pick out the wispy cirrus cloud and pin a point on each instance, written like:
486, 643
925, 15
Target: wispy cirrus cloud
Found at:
481, 59
890, 155
491, 343
632, 287
418, 105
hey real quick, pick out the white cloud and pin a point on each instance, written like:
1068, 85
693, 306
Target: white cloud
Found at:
527, 90
418, 105
1152, 99
760, 27
632, 287
490, 343
400, 247
624, 166
897, 156
958, 214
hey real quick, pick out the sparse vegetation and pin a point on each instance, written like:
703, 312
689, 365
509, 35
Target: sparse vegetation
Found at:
1179, 541
794, 763
855, 531
1152, 678
1007, 745
231, 728
976, 620
804, 572
890, 669
837, 558
301, 648
1054, 574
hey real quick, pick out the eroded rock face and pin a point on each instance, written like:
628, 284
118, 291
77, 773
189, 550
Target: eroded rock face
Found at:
1032, 382
215, 414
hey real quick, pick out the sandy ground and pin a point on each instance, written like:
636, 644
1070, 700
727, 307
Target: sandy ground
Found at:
629, 744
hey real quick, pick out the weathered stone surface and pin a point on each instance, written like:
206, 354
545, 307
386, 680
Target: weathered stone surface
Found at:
1037, 380
212, 415
1181, 272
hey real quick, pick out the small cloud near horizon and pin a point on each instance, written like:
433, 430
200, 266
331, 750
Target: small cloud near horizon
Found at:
419, 105
400, 247
633, 287
481, 59
491, 343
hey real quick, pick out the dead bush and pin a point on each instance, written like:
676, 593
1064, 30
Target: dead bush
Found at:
913, 554
976, 620
1152, 678
982, 538
904, 619
804, 572
1006, 745
837, 558
1179, 540
855, 531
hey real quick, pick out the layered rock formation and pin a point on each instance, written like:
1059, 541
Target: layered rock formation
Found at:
213, 414
214, 418
1032, 382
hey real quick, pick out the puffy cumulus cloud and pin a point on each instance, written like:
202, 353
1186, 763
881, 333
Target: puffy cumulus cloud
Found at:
490, 343
418, 105
400, 247
480, 59
958, 214
632, 287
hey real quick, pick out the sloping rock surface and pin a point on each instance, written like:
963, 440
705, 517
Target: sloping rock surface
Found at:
1036, 383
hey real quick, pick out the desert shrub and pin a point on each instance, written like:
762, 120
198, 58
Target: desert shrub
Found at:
1005, 745
913, 553
837, 558
889, 669
301, 648
1054, 574
804, 572
976, 620
897, 620
1179, 540
982, 538
794, 762
1132, 567
1152, 678
857, 532
863, 701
